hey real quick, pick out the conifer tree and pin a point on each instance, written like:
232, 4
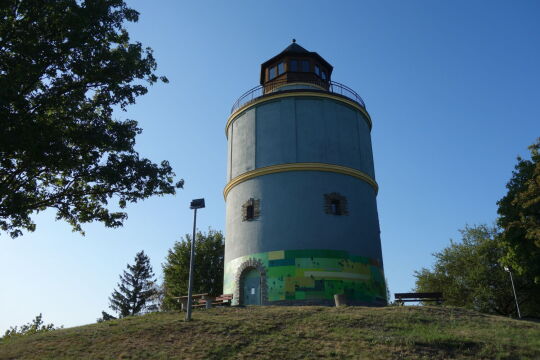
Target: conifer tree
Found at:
135, 289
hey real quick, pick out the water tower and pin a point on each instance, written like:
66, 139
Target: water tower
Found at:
301, 211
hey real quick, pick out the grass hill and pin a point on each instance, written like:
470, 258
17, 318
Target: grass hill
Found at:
285, 333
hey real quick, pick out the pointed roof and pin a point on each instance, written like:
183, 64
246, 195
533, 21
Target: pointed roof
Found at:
294, 49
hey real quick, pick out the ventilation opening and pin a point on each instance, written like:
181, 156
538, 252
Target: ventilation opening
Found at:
335, 207
335, 204
251, 210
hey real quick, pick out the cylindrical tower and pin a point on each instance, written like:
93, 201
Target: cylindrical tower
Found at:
301, 212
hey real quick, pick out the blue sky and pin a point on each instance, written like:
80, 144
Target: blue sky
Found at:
453, 89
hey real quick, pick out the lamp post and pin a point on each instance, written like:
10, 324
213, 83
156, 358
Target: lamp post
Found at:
506, 268
195, 204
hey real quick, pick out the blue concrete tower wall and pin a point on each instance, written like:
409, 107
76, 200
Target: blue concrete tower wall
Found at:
289, 152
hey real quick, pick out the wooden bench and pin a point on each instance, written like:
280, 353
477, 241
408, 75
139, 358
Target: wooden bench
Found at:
221, 300
196, 300
204, 300
402, 298
224, 299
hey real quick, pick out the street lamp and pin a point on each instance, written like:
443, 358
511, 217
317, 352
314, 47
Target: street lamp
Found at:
506, 268
195, 204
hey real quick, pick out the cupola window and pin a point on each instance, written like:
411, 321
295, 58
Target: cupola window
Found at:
305, 65
323, 75
317, 70
271, 73
293, 65
280, 68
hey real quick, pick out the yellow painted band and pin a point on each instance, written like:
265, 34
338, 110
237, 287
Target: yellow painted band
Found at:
293, 94
299, 167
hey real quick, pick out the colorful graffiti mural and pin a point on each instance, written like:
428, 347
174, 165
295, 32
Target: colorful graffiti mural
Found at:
315, 274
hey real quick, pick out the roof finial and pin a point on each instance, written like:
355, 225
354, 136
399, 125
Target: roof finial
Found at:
293, 40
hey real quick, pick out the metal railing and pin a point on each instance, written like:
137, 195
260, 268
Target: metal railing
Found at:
328, 86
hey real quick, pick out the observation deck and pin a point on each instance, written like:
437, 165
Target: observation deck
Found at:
286, 85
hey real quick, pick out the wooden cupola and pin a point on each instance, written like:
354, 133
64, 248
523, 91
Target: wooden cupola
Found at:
296, 65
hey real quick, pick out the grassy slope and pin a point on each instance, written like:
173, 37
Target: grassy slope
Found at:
285, 333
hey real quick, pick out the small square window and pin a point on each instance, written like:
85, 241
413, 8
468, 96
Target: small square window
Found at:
335, 204
251, 210
280, 68
305, 65
293, 65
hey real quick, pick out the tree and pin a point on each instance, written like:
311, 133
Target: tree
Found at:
135, 290
34, 327
469, 274
65, 65
208, 273
519, 216
105, 317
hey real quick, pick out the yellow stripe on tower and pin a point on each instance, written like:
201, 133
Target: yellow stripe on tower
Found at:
299, 167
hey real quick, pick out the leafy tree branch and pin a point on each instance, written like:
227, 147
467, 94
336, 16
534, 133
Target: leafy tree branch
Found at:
65, 66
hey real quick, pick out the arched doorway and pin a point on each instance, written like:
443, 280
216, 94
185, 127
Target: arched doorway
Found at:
250, 274
250, 284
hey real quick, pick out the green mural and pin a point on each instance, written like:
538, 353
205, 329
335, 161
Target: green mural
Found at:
315, 274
